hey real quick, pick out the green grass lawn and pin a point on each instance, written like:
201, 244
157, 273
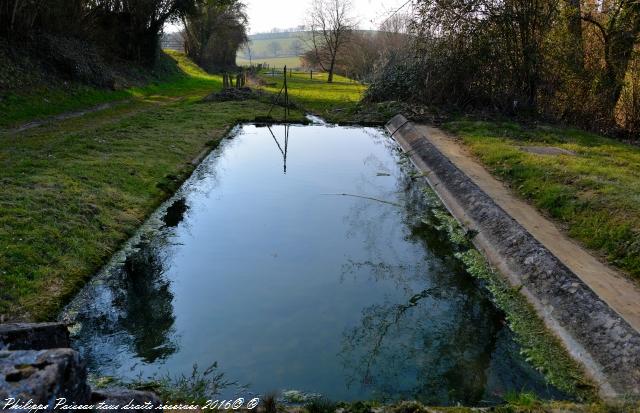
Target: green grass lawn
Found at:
16, 109
595, 194
73, 191
335, 101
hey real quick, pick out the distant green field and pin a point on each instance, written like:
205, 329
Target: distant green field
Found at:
277, 62
285, 52
262, 50
261, 44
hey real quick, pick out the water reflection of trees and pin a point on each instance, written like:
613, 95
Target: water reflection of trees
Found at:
146, 306
175, 213
434, 344
130, 310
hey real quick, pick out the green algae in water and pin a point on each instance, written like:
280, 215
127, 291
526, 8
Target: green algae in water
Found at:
538, 345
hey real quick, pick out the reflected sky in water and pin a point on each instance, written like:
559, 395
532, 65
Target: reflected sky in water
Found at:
322, 279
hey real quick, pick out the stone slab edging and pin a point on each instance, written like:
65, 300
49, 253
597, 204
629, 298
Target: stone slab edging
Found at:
614, 288
594, 334
38, 371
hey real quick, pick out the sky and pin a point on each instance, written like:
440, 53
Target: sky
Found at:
265, 15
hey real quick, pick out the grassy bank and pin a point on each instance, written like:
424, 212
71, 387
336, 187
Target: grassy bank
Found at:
335, 101
181, 76
73, 191
593, 193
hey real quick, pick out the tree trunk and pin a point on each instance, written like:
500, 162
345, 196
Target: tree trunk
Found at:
574, 28
13, 15
331, 69
618, 52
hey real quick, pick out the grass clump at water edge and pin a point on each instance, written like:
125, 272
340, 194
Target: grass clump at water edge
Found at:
196, 388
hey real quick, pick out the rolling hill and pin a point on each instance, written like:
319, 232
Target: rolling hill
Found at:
275, 49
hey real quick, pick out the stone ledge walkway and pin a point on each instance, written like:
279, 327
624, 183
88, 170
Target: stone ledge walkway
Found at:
591, 308
621, 294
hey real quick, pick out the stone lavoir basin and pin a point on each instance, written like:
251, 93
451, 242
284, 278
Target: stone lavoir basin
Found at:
297, 258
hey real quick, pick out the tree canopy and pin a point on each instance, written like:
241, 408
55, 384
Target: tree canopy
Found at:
571, 60
215, 32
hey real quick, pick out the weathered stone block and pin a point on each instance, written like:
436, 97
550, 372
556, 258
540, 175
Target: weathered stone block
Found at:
43, 376
40, 336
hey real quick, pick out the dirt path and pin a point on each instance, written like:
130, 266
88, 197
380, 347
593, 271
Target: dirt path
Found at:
64, 116
621, 294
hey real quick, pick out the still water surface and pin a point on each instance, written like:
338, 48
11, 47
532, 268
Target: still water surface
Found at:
266, 263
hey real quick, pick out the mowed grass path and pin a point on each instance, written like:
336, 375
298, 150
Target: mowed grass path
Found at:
72, 192
595, 194
332, 101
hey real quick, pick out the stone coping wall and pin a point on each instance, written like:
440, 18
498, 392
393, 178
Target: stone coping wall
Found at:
37, 368
593, 333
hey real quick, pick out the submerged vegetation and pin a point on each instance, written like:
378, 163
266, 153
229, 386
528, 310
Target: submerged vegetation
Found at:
515, 403
539, 346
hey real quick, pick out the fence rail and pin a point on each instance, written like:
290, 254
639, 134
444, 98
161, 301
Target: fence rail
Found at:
173, 45
311, 73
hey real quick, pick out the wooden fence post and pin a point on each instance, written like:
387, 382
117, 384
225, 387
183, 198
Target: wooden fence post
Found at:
286, 92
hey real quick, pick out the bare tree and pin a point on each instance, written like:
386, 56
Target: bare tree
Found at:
296, 48
275, 48
248, 51
330, 24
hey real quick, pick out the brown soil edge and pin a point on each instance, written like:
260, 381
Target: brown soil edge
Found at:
593, 333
